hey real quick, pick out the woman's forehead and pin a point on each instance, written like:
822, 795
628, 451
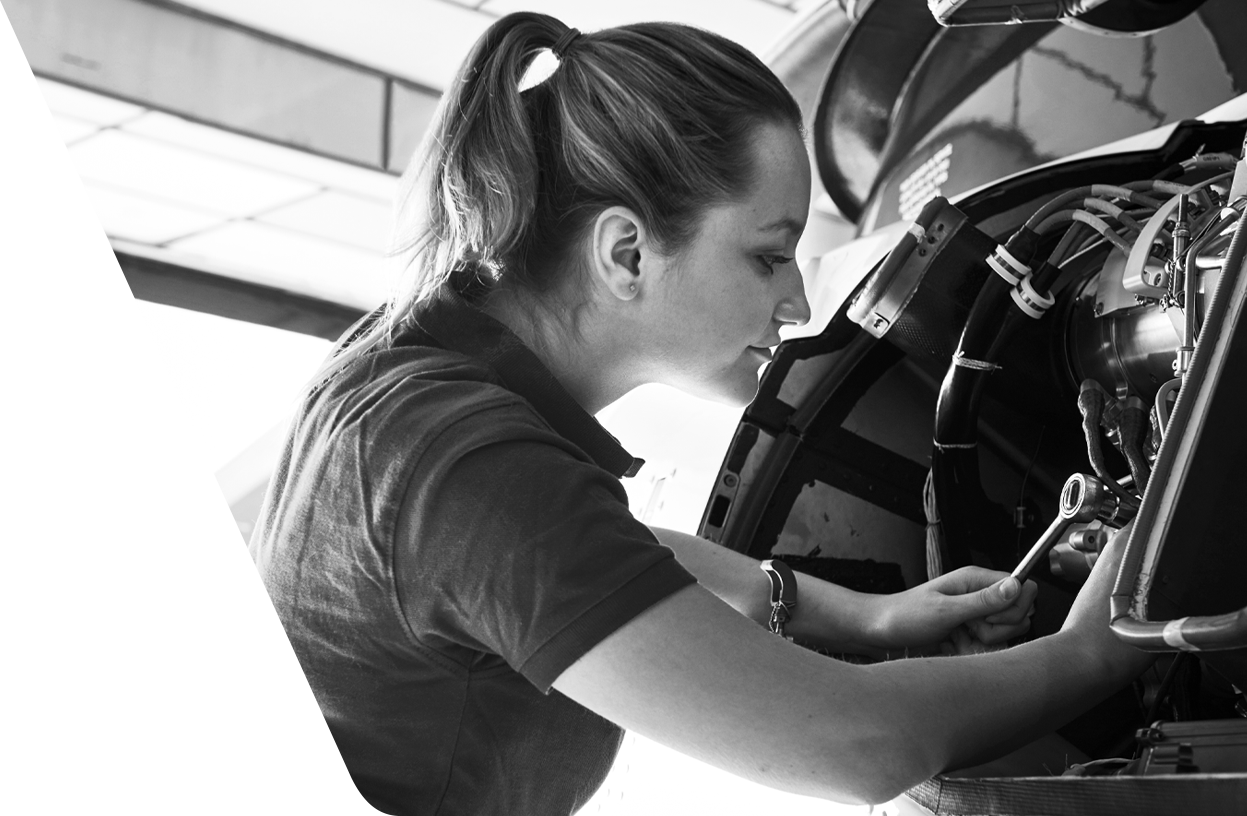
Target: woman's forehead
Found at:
780, 197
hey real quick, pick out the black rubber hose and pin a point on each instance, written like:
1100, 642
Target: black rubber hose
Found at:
955, 480
1132, 427
958, 491
1091, 404
1091, 407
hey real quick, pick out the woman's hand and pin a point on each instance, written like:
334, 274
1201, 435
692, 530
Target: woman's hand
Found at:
1088, 619
970, 610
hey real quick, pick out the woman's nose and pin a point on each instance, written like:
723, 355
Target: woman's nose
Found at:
793, 307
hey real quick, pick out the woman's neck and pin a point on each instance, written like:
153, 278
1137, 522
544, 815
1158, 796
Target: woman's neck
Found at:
593, 369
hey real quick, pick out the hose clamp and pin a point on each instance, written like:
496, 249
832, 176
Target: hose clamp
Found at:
1032, 303
1004, 264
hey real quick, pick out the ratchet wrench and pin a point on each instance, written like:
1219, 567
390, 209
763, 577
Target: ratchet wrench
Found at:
1083, 499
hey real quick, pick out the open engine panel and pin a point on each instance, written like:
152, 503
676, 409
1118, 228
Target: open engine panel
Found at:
1012, 383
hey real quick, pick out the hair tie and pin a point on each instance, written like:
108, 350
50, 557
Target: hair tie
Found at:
562, 43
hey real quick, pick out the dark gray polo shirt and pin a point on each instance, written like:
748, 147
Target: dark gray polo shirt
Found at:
444, 535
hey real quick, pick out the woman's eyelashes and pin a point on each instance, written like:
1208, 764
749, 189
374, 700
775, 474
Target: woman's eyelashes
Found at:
770, 262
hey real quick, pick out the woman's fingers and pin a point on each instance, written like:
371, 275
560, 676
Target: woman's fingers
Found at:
965, 580
994, 633
1012, 615
1023, 607
963, 641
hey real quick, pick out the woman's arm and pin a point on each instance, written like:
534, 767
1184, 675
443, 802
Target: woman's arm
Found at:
841, 619
693, 674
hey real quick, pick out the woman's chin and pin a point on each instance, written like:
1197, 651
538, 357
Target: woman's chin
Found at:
738, 392
734, 386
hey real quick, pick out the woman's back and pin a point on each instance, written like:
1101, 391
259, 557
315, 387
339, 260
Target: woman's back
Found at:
399, 556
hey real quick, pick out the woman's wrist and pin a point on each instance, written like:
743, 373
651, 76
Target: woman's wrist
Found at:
832, 617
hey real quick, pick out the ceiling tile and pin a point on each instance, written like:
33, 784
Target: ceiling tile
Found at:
80, 104
261, 154
279, 257
135, 218
422, 40
158, 170
751, 23
72, 129
350, 219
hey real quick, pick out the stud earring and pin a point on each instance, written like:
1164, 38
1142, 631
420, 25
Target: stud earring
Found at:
632, 287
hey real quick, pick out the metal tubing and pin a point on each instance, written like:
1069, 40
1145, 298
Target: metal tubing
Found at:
1194, 633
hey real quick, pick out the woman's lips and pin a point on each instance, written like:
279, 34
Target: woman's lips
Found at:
762, 351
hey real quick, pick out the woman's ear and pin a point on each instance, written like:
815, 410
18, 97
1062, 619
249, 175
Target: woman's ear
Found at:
618, 240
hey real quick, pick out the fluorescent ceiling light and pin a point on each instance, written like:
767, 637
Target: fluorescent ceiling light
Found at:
290, 260
264, 155
362, 222
146, 166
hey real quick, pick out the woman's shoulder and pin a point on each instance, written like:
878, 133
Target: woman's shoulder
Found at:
416, 393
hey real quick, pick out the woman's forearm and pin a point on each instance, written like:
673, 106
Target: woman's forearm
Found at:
974, 708
690, 674
827, 615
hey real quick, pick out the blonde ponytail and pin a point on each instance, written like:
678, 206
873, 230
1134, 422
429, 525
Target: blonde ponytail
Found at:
657, 117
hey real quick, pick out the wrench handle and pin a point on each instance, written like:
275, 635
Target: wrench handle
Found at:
1040, 549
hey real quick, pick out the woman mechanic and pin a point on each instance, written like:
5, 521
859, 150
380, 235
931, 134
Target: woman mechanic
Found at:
446, 540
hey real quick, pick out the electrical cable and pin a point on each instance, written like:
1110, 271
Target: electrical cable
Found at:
1113, 211
1160, 185
934, 533
1095, 191
1021, 506
1101, 226
1153, 711
1067, 244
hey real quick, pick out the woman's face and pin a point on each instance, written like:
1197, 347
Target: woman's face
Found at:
721, 300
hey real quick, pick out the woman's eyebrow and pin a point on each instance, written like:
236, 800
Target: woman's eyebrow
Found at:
794, 225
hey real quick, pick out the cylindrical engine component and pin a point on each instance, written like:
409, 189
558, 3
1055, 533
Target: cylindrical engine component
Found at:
1089, 540
1067, 562
1131, 351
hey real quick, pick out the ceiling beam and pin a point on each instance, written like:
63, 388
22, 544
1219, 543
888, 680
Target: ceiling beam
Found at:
182, 61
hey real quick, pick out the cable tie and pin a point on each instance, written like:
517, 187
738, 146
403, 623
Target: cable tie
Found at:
917, 230
955, 445
963, 361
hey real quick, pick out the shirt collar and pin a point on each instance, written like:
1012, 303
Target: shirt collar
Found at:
459, 327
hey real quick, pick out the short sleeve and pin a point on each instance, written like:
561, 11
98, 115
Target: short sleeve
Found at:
510, 542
